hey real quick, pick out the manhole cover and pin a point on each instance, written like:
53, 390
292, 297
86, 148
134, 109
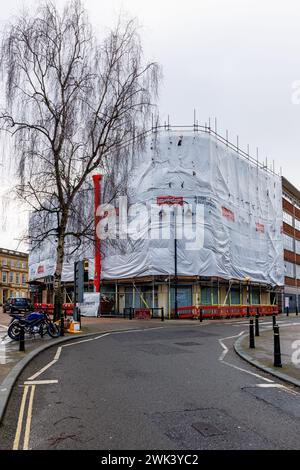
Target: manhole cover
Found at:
188, 343
207, 429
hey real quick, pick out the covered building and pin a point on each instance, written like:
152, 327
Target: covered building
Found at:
203, 219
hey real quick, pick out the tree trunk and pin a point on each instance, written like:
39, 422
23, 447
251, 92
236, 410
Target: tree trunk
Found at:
58, 293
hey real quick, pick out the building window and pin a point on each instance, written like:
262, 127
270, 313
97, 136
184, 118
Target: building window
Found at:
11, 277
17, 278
288, 242
297, 246
255, 295
297, 224
23, 265
297, 271
287, 218
4, 277
209, 295
4, 262
18, 264
12, 263
289, 269
23, 279
235, 296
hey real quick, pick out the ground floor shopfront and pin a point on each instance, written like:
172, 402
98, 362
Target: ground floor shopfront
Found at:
158, 293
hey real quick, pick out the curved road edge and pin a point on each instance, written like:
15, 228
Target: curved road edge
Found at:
246, 357
7, 385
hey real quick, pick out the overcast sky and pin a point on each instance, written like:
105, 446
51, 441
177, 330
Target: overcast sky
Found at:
236, 60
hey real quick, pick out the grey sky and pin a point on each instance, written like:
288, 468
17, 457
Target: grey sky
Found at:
234, 59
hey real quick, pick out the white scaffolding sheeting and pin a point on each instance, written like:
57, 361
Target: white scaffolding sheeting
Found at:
242, 225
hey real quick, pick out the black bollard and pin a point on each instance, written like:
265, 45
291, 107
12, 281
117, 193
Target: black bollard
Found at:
251, 334
257, 324
274, 320
130, 313
201, 315
277, 353
297, 310
22, 338
287, 311
162, 314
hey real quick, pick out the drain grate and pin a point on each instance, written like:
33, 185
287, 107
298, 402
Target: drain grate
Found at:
188, 343
207, 429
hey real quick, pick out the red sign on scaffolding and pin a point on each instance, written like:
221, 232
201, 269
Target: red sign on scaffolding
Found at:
228, 214
170, 200
260, 228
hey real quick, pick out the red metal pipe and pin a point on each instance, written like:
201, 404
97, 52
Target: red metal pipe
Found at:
97, 202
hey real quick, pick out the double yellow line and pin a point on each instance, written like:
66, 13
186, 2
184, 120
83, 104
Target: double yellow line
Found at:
21, 418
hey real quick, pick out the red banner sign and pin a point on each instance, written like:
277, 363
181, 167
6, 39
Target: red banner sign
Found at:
260, 228
228, 214
170, 200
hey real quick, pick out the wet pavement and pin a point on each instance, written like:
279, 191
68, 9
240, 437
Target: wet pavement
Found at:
263, 354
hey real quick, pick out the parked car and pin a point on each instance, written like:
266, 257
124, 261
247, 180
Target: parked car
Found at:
18, 305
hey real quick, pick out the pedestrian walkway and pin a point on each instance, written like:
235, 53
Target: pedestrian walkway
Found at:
263, 354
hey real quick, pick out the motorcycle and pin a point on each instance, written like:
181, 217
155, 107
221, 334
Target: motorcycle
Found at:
34, 323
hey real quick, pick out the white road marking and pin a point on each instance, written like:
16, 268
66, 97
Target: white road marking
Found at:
33, 377
270, 385
20, 419
40, 382
78, 342
4, 327
225, 347
283, 387
2, 352
28, 421
247, 372
56, 357
221, 358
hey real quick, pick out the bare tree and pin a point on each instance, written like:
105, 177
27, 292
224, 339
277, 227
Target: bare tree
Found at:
73, 105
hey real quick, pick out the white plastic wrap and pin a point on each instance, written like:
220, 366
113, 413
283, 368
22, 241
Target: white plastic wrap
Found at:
242, 215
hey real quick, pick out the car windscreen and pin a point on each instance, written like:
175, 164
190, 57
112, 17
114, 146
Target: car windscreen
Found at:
22, 302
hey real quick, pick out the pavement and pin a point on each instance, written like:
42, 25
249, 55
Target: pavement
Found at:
262, 356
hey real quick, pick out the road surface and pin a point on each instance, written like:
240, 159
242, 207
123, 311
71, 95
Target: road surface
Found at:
171, 387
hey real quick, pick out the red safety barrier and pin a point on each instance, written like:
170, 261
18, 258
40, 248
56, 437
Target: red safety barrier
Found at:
225, 311
49, 308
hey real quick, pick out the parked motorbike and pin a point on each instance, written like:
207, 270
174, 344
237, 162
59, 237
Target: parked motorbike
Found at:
34, 323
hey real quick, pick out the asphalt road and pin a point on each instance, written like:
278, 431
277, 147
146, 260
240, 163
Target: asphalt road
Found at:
176, 387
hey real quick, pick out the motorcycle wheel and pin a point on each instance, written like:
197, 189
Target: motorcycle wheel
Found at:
53, 330
14, 331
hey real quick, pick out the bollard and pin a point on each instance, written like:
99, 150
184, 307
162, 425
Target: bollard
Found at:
297, 310
201, 315
277, 353
274, 320
257, 324
251, 334
287, 311
248, 311
22, 338
130, 313
162, 314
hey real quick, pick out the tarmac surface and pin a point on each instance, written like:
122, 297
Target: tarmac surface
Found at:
164, 386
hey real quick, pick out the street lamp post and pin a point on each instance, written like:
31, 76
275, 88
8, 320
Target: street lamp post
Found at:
247, 279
